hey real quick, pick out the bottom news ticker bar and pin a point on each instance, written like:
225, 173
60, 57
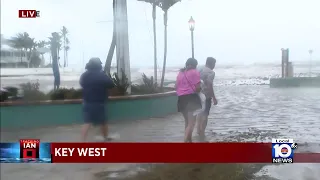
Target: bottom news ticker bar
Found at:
169, 153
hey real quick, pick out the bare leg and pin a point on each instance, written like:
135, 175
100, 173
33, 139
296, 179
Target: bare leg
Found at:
200, 125
185, 117
104, 131
190, 127
199, 122
204, 122
85, 130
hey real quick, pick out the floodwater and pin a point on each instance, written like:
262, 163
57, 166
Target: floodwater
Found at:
248, 110
244, 113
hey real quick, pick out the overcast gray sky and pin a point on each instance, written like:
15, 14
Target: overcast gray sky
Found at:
233, 31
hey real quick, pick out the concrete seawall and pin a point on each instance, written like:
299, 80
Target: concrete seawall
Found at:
67, 112
295, 82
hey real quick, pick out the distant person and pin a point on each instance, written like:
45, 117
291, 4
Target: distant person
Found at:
95, 85
187, 87
207, 76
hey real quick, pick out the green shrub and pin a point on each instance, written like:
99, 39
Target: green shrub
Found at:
65, 93
74, 94
12, 91
31, 92
59, 94
4, 96
121, 84
30, 86
147, 87
9, 93
35, 96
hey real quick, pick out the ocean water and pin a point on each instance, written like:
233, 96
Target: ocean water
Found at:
225, 75
248, 110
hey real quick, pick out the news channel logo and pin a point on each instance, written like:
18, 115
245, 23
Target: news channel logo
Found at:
283, 150
10, 153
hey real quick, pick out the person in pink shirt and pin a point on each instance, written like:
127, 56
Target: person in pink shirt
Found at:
187, 87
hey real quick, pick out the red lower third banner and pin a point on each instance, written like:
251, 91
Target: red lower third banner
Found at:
169, 153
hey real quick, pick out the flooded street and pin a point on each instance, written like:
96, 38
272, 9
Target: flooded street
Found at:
263, 113
244, 113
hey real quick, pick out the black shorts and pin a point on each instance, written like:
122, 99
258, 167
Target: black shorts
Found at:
94, 113
208, 106
189, 103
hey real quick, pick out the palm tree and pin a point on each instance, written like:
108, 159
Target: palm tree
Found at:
64, 33
55, 45
42, 44
67, 48
165, 20
165, 5
155, 64
56, 39
154, 4
35, 60
24, 43
107, 65
29, 45
17, 42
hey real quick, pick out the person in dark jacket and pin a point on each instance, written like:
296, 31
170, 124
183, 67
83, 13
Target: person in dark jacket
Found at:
95, 84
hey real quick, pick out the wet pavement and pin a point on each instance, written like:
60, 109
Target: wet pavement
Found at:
244, 113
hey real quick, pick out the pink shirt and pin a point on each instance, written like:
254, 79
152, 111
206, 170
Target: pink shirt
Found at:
187, 81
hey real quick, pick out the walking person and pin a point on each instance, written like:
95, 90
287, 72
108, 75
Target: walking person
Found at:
187, 87
207, 76
95, 85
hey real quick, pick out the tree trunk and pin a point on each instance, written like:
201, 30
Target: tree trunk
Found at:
42, 60
21, 51
107, 66
155, 65
67, 57
55, 68
64, 51
29, 57
165, 20
58, 58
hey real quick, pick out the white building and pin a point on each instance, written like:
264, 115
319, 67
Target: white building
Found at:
10, 57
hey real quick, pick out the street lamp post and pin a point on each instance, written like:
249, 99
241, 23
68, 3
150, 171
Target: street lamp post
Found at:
310, 65
191, 27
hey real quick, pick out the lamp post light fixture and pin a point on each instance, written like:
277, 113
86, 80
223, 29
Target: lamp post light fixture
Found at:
191, 27
191, 23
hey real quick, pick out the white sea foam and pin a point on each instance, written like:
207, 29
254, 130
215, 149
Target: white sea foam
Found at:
225, 75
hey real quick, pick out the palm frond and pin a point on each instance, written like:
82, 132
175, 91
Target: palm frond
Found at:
64, 31
163, 4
